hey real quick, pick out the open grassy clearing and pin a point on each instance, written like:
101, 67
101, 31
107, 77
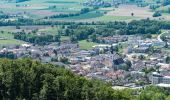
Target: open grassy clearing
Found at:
65, 38
6, 35
11, 42
49, 30
85, 45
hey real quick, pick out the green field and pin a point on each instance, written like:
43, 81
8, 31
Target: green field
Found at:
9, 39
65, 38
84, 45
40, 8
49, 30
11, 42
115, 18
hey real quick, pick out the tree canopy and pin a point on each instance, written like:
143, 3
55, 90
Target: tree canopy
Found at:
30, 80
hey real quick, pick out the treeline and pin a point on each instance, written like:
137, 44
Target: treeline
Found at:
4, 16
24, 22
18, 1
30, 80
82, 11
9, 55
165, 2
80, 32
36, 39
90, 31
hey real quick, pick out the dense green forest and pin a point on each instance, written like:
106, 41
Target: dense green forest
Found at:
30, 80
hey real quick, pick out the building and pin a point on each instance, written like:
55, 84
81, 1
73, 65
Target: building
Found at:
160, 79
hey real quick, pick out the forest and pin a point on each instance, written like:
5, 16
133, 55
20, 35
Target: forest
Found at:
30, 80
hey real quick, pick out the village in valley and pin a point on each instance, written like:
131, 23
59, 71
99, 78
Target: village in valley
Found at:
122, 60
108, 52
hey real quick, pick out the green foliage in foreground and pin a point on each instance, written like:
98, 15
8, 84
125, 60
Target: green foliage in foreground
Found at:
31, 80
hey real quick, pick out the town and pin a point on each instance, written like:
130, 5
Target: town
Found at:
85, 50
127, 61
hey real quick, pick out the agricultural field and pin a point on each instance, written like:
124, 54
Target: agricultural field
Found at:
127, 10
41, 8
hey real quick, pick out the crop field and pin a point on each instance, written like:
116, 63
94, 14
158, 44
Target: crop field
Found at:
41, 8
127, 10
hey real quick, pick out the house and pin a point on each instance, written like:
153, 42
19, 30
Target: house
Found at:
112, 60
113, 39
75, 60
138, 65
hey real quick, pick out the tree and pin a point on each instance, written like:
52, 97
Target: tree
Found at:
168, 60
157, 14
31, 80
132, 14
128, 65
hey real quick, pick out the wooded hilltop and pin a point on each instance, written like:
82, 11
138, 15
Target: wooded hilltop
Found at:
30, 80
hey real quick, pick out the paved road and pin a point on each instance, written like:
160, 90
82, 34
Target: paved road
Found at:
159, 36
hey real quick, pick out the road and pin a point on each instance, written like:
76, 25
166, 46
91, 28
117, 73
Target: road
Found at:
159, 36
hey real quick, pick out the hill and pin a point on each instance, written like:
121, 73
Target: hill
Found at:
30, 80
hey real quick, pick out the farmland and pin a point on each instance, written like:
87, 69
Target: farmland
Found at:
41, 8
38, 9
